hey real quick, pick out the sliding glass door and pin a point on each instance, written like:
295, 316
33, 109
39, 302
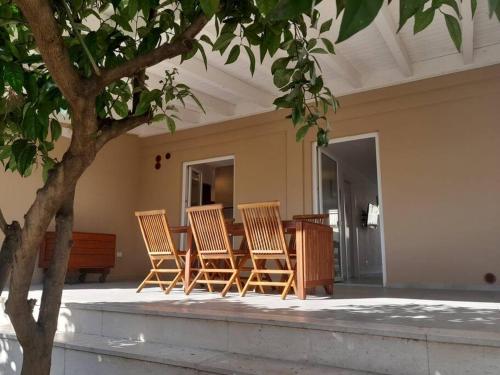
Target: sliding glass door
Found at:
329, 203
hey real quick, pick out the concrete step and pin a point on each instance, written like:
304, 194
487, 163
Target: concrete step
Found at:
79, 354
350, 344
357, 345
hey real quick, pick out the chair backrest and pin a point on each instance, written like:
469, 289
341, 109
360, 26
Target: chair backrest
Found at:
156, 232
312, 218
209, 229
263, 228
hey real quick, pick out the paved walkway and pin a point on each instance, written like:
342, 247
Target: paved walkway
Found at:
461, 310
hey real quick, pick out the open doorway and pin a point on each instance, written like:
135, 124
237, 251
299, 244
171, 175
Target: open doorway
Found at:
206, 182
347, 187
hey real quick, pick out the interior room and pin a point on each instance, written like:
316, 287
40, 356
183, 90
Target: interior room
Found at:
357, 223
210, 182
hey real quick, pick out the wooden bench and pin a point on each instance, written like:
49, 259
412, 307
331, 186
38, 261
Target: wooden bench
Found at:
91, 253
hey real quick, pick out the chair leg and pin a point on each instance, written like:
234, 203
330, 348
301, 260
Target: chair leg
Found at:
261, 288
205, 272
244, 291
195, 280
143, 284
174, 282
229, 283
287, 286
238, 283
162, 287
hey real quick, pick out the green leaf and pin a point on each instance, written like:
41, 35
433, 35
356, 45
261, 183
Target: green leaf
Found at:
121, 108
55, 129
407, 9
297, 117
282, 77
233, 54
357, 16
473, 4
251, 56
209, 7
325, 26
328, 44
423, 19
451, 3
144, 103
223, 41
494, 7
159, 117
322, 137
454, 29
5, 152
301, 133
29, 123
14, 76
171, 124
24, 155
340, 7
203, 54
493, 4
280, 63
289, 9
265, 6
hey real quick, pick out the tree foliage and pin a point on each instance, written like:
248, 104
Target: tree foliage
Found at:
103, 34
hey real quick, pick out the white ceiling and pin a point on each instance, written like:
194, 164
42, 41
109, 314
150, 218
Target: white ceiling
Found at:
375, 57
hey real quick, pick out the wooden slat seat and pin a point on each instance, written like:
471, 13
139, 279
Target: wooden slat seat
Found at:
212, 243
161, 249
266, 241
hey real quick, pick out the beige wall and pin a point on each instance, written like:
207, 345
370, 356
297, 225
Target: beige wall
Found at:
105, 200
439, 153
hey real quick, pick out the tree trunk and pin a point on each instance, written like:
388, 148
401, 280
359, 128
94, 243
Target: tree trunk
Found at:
54, 199
9, 247
37, 355
37, 358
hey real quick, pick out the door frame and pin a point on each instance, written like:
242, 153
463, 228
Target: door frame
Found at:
315, 184
185, 187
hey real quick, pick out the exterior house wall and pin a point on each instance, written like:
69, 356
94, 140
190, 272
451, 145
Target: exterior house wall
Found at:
439, 147
439, 151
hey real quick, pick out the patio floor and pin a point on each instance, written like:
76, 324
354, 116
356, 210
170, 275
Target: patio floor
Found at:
471, 311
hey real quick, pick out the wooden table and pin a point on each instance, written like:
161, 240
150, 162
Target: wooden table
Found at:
314, 253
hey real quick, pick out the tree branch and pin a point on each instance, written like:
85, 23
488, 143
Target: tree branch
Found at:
3, 223
47, 34
9, 247
111, 129
181, 45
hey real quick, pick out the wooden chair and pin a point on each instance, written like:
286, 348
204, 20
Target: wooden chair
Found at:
214, 247
266, 241
160, 248
311, 218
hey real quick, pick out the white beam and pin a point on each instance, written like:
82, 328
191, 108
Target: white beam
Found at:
214, 81
218, 105
188, 115
339, 64
467, 26
387, 29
